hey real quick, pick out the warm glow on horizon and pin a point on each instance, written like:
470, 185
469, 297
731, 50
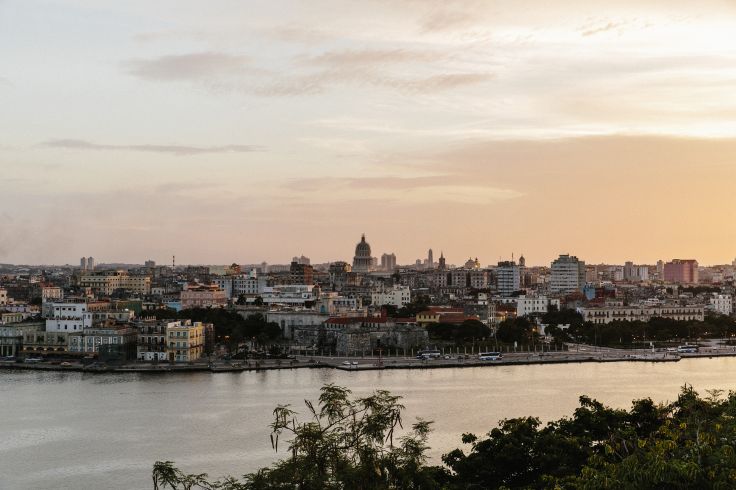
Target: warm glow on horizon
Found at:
263, 130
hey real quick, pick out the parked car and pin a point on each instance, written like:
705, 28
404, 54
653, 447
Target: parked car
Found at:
65, 364
33, 360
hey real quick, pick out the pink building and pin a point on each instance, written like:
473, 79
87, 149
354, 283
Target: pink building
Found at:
203, 296
681, 271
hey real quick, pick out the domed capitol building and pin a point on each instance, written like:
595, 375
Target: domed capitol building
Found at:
363, 260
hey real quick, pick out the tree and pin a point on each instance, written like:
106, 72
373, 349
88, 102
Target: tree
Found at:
349, 442
515, 330
346, 442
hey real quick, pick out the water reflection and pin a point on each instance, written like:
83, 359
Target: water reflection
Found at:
73, 430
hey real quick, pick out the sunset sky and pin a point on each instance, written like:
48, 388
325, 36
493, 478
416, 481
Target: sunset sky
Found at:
244, 131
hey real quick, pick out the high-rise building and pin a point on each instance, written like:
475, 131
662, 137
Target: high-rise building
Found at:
150, 264
567, 274
362, 261
83, 263
430, 259
508, 277
301, 273
90, 263
388, 262
681, 271
442, 265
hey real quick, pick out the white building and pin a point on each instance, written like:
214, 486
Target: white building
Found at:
68, 317
508, 278
635, 273
289, 294
397, 296
250, 284
225, 283
528, 305
722, 303
567, 274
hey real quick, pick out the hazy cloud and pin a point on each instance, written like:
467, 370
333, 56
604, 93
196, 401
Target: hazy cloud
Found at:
373, 57
445, 20
193, 66
597, 29
182, 150
321, 81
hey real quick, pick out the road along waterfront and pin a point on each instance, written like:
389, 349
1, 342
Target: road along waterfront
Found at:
70, 430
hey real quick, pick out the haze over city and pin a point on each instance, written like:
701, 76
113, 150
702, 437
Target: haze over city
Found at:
250, 131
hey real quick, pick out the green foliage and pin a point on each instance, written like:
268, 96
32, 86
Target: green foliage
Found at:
229, 325
518, 330
351, 443
346, 442
621, 333
419, 304
468, 330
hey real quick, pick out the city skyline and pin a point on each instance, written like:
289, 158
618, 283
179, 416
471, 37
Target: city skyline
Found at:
133, 131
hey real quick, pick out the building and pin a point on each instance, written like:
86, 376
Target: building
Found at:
388, 262
107, 282
459, 278
289, 294
722, 304
87, 263
616, 311
478, 279
681, 271
151, 341
530, 305
226, 283
251, 284
508, 278
11, 337
635, 273
302, 260
441, 265
362, 261
430, 259
8, 317
301, 273
110, 340
203, 296
51, 293
397, 296
185, 340
71, 316
567, 275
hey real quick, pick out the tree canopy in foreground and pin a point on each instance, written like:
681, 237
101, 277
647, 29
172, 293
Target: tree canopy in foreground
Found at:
353, 443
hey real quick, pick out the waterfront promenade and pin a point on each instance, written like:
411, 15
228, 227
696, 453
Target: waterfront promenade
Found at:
574, 353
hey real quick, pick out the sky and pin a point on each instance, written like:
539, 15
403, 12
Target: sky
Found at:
229, 131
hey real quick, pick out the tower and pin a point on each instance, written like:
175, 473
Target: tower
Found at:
442, 265
430, 259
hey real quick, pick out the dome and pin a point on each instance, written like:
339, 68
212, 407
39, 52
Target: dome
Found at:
363, 261
363, 249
